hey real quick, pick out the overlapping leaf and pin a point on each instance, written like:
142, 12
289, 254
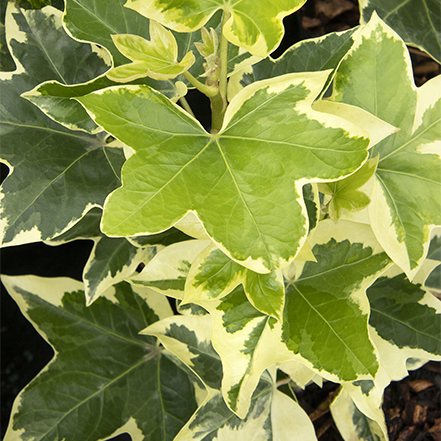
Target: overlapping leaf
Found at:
417, 21
326, 309
272, 416
272, 143
156, 58
55, 179
105, 378
254, 25
405, 200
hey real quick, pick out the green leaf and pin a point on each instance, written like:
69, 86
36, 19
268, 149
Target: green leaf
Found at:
272, 416
55, 179
345, 194
247, 341
310, 55
271, 139
168, 270
354, 424
105, 378
405, 199
418, 22
156, 58
433, 280
254, 25
326, 309
215, 275
400, 317
189, 339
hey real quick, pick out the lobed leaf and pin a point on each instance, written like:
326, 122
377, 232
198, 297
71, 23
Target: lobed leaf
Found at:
54, 180
234, 180
418, 22
105, 378
255, 26
405, 199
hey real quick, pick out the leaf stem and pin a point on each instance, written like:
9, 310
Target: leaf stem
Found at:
210, 91
186, 106
219, 102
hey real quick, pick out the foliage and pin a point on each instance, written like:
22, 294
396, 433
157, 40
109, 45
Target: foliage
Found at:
300, 235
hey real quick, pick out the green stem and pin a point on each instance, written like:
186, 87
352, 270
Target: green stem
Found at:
210, 91
219, 102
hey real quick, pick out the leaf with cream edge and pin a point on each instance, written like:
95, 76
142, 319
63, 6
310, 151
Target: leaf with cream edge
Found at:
416, 21
254, 25
272, 144
214, 274
354, 424
54, 180
156, 58
105, 378
167, 271
273, 416
405, 198
326, 308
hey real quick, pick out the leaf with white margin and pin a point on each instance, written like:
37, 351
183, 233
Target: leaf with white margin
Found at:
254, 25
417, 21
156, 58
271, 145
214, 275
98, 355
55, 177
272, 417
433, 280
405, 199
399, 315
167, 271
326, 308
247, 341
189, 339
354, 424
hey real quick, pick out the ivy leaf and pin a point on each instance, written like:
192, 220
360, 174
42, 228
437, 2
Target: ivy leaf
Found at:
400, 317
189, 339
42, 201
326, 309
167, 271
433, 280
351, 422
405, 199
272, 416
416, 21
255, 26
215, 275
309, 55
99, 353
271, 139
156, 58
345, 194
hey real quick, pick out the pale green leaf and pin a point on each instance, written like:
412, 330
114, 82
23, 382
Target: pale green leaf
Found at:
99, 354
418, 22
272, 417
156, 58
326, 310
405, 199
189, 339
352, 423
272, 144
254, 25
345, 194
168, 270
213, 274
54, 179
